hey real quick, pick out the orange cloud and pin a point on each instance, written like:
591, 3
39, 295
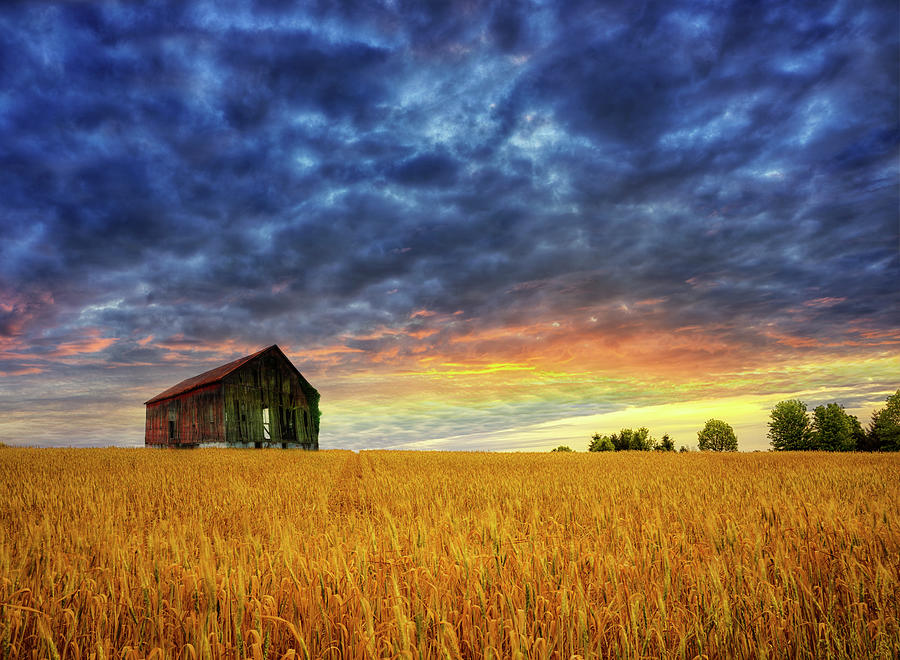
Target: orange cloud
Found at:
380, 332
21, 372
798, 342
893, 335
505, 333
12, 348
650, 301
329, 351
91, 343
179, 343
423, 333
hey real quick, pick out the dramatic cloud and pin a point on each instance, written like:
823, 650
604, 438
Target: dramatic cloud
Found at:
459, 219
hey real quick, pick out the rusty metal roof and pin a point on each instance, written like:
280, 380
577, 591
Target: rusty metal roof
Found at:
207, 377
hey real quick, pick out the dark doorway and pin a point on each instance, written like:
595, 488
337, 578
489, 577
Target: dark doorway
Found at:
288, 427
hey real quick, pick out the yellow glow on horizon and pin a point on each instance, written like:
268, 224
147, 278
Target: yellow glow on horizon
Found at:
460, 369
747, 414
535, 396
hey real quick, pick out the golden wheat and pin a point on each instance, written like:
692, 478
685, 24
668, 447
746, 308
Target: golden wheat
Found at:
270, 554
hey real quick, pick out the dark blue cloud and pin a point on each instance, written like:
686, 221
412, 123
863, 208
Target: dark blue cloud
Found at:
426, 170
255, 171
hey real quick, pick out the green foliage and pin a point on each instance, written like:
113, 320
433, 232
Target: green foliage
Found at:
789, 427
624, 440
884, 433
717, 436
683, 450
860, 437
638, 440
832, 429
563, 448
665, 443
601, 443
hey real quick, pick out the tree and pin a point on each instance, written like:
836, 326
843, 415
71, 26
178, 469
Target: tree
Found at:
789, 427
832, 429
885, 428
860, 437
717, 436
683, 449
601, 443
638, 440
666, 443
624, 440
562, 448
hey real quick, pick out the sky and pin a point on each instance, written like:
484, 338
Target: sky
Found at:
471, 225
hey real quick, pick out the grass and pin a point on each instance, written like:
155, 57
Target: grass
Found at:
230, 553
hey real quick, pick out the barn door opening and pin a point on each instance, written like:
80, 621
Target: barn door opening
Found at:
171, 417
266, 427
288, 427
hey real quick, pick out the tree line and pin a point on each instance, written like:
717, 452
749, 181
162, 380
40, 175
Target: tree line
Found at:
716, 435
830, 428
791, 428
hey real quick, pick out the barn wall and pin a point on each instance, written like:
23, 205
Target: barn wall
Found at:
197, 417
154, 433
268, 382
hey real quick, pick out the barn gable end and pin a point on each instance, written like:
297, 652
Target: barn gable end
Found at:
260, 400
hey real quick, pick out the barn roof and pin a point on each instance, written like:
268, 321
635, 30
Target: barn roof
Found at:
207, 377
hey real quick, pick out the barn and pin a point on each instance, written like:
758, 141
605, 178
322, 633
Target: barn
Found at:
260, 400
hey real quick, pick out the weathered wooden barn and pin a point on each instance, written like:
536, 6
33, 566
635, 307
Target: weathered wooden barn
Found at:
260, 400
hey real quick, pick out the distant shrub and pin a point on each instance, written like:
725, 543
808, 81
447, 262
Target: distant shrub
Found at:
631, 440
665, 443
624, 440
601, 443
884, 432
717, 436
563, 448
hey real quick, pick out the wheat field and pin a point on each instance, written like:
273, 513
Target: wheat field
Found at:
271, 554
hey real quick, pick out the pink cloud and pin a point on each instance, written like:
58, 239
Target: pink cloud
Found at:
21, 372
651, 301
823, 302
82, 346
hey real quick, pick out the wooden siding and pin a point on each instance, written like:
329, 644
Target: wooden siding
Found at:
229, 405
269, 381
196, 417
